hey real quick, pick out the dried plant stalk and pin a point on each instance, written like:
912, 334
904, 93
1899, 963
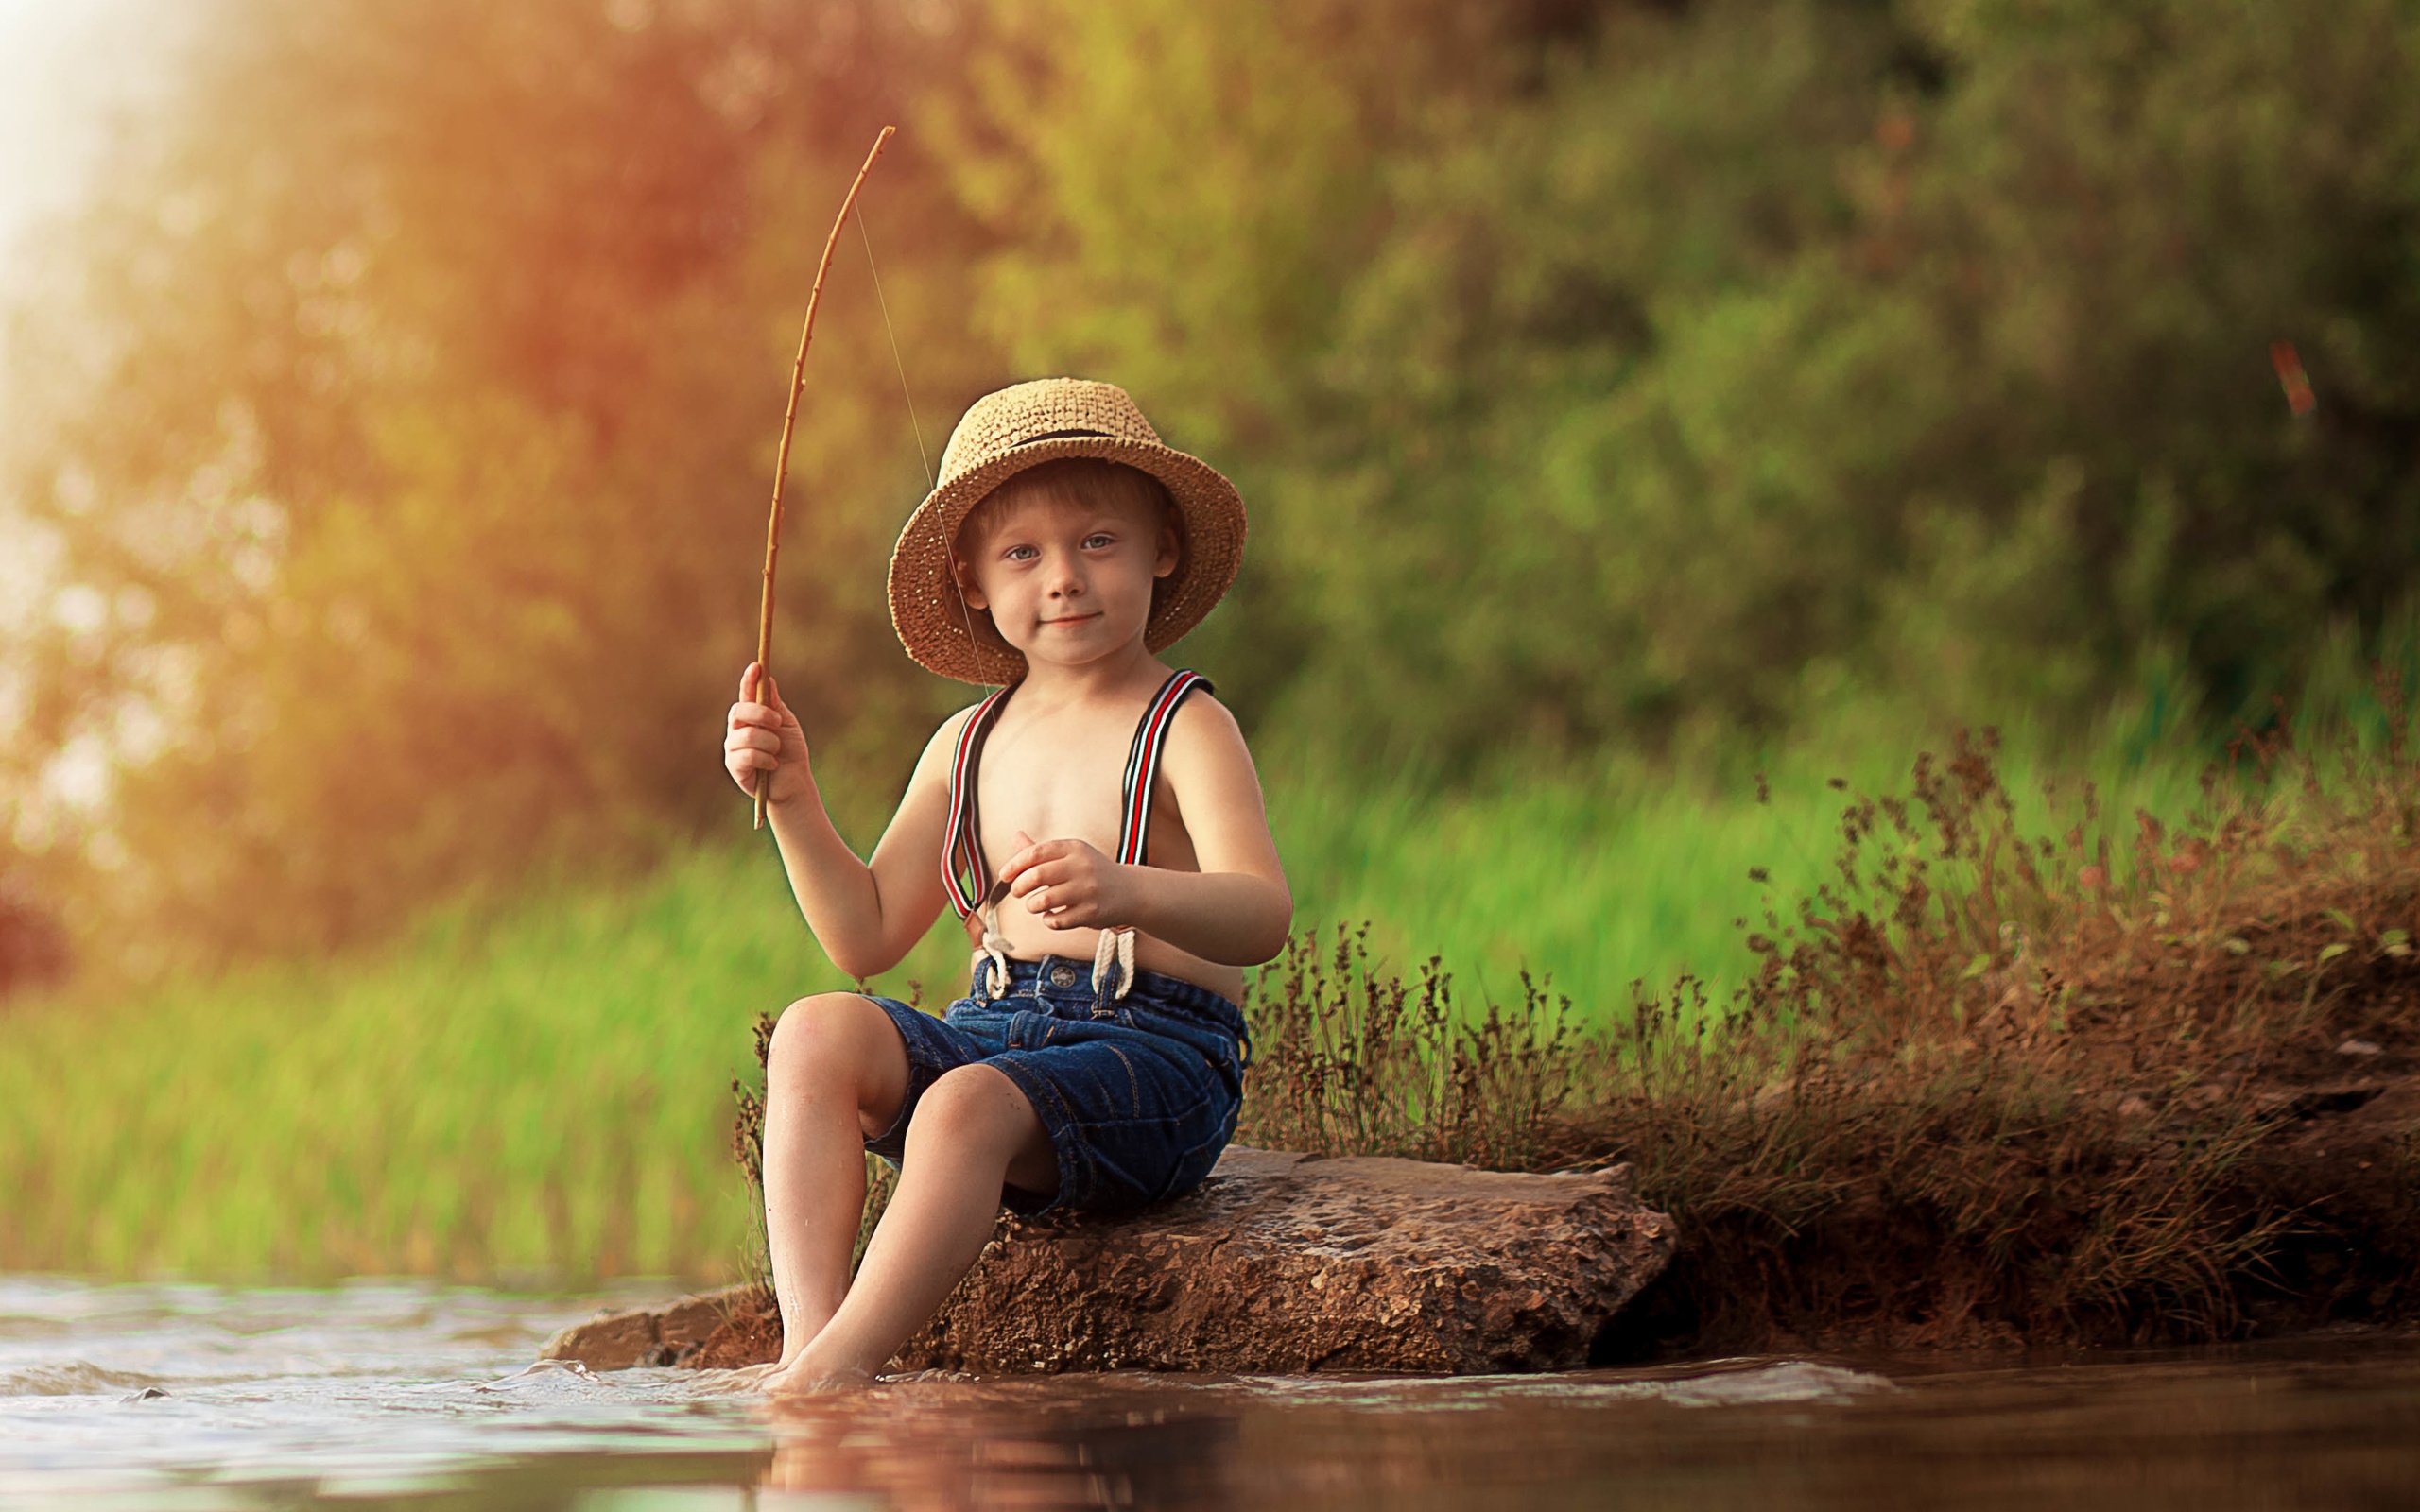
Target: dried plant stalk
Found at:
782, 462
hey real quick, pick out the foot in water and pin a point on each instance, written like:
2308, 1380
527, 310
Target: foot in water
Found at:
804, 1378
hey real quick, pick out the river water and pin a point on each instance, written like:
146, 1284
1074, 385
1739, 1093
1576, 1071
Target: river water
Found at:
408, 1396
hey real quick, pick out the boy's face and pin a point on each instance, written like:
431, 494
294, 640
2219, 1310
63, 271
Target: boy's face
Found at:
1066, 582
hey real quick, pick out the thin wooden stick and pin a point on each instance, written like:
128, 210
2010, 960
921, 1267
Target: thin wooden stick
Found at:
782, 463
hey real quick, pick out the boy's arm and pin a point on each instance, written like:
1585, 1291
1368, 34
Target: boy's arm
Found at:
1234, 911
866, 917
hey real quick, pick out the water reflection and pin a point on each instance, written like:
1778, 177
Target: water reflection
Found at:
2301, 1428
939, 1446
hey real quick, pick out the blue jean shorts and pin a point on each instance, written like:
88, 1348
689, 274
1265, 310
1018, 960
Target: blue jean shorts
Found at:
1138, 1094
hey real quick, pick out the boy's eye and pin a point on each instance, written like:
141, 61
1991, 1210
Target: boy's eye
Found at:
1097, 540
1021, 554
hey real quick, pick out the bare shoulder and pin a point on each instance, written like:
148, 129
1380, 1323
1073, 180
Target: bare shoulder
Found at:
942, 749
1205, 735
945, 737
1210, 774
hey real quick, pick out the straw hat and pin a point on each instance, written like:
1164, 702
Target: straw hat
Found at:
1022, 427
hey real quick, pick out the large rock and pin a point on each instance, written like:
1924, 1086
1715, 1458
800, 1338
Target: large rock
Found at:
1288, 1263
1285, 1262
658, 1336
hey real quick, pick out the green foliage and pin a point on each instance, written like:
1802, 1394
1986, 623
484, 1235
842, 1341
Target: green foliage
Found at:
1928, 343
1614, 384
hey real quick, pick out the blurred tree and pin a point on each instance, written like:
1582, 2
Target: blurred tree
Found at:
406, 509
33, 947
1603, 392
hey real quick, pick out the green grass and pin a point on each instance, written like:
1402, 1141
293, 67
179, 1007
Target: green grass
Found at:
1601, 878
539, 1090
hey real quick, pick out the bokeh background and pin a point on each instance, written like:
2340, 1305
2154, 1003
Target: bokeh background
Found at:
1641, 404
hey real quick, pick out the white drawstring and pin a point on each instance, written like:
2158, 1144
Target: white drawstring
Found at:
996, 945
1117, 945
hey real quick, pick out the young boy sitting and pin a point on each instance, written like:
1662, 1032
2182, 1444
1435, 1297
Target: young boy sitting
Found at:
1095, 1062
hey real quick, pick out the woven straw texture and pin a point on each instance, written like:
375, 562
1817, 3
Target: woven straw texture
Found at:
1022, 426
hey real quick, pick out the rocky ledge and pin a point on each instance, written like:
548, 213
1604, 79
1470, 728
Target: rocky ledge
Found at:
1280, 1262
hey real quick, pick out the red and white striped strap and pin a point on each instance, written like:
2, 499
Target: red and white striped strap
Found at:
1142, 765
965, 875
964, 845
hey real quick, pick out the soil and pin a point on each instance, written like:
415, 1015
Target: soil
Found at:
2334, 1163
752, 1334
2343, 1160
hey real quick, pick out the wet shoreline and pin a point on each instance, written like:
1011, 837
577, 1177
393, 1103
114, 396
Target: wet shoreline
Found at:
419, 1395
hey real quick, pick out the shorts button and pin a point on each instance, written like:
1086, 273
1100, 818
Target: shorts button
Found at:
1063, 977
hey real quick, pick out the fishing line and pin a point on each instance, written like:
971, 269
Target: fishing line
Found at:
966, 615
896, 361
987, 911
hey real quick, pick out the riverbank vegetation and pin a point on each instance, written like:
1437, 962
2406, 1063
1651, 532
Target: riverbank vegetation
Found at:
1990, 1083
483, 1097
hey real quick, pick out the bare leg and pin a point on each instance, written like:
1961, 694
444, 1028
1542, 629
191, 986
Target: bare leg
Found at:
837, 1073
973, 1131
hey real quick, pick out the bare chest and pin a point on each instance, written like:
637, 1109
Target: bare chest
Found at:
1064, 780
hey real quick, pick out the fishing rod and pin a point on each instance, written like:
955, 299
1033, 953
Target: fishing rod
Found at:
782, 461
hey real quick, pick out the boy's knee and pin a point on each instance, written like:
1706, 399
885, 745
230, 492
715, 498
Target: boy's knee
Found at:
970, 1105
829, 1034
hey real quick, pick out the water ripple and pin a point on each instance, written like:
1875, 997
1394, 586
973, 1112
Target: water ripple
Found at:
70, 1377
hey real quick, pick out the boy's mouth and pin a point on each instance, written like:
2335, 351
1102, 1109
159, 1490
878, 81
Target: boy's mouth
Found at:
1073, 619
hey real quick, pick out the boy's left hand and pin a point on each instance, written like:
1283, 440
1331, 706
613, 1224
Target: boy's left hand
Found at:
1069, 883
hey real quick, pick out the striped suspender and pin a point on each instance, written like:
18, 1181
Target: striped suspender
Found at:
964, 874
1114, 953
965, 842
1142, 765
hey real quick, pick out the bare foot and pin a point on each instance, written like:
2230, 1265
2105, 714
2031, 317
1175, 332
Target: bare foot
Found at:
804, 1378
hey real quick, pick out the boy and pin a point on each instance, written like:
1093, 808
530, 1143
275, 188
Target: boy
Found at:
1063, 548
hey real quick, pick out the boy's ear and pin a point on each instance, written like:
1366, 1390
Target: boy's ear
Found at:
964, 576
1172, 550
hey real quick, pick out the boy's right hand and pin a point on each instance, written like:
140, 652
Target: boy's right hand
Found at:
763, 742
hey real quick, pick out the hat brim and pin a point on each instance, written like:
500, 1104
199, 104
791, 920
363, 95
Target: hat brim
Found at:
943, 636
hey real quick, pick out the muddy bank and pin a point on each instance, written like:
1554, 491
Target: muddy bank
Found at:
2100, 1081
1989, 1206
2318, 1179
2263, 1207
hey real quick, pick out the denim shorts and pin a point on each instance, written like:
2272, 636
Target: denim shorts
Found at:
1138, 1094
